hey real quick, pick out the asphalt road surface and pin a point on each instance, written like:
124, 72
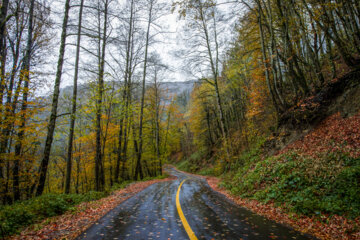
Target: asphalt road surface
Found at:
186, 208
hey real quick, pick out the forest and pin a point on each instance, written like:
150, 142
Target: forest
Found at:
265, 72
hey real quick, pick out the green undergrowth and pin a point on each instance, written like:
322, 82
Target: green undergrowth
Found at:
21, 214
329, 184
184, 165
197, 163
163, 176
219, 167
117, 186
15, 217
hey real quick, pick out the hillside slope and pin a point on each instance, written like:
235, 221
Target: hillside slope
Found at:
309, 166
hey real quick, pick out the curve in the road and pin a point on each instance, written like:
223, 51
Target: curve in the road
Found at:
185, 223
153, 215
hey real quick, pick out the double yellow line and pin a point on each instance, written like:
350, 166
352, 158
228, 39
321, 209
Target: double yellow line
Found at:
185, 223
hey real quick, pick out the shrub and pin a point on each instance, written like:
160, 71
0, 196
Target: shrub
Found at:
14, 217
21, 214
49, 205
92, 196
184, 166
308, 186
207, 172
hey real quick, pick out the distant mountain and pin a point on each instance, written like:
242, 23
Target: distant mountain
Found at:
178, 88
171, 89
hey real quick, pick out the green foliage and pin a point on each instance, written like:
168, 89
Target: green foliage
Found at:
207, 172
22, 214
307, 186
121, 185
195, 160
191, 164
50, 205
183, 165
250, 156
12, 218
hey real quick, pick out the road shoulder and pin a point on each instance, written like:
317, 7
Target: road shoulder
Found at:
74, 222
337, 227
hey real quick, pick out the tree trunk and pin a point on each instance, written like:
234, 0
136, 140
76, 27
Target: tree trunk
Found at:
118, 159
214, 69
3, 20
264, 60
53, 116
25, 74
74, 99
3, 15
138, 162
127, 93
99, 170
157, 125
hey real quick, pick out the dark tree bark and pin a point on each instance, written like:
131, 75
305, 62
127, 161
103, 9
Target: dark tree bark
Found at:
215, 71
3, 16
3, 19
99, 169
138, 169
123, 116
53, 116
157, 124
26, 78
8, 113
74, 99
127, 88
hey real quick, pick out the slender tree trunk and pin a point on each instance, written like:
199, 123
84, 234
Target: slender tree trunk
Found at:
74, 99
127, 92
167, 130
333, 34
53, 116
138, 169
3, 16
123, 116
9, 113
209, 126
105, 136
3, 20
276, 92
8, 119
157, 125
214, 69
24, 74
99, 170
118, 159
78, 159
266, 68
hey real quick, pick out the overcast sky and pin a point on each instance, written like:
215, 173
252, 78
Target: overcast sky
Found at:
170, 41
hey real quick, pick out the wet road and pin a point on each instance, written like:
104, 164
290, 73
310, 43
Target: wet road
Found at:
153, 214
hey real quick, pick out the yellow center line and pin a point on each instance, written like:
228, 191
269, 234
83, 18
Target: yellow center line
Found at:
186, 225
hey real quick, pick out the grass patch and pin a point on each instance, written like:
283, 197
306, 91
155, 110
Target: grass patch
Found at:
330, 184
163, 176
183, 165
207, 171
192, 164
21, 214
121, 185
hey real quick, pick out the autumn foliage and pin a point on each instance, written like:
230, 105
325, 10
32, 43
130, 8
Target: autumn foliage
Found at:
334, 134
